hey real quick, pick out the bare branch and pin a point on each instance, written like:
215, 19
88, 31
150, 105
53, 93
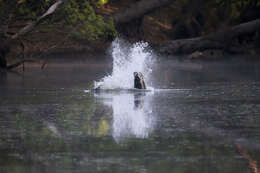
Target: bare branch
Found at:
28, 28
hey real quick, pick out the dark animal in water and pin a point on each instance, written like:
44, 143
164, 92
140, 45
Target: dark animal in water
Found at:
139, 81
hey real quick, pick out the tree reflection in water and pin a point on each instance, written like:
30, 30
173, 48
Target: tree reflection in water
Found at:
252, 163
132, 114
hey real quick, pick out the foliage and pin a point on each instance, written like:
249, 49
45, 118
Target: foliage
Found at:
215, 14
235, 11
88, 25
28, 9
102, 2
78, 14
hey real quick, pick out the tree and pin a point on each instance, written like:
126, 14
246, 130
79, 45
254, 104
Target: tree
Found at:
7, 40
80, 15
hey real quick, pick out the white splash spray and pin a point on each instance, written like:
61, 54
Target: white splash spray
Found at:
127, 59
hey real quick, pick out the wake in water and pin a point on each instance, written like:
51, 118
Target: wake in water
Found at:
127, 59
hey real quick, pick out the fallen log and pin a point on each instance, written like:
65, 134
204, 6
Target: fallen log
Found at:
219, 40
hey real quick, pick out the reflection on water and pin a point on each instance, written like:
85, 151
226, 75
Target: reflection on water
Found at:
252, 163
213, 127
56, 127
132, 114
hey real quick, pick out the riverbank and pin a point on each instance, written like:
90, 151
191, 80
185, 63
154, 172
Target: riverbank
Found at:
41, 44
57, 41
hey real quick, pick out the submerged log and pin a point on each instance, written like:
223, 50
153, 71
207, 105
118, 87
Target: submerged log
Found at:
219, 40
19, 63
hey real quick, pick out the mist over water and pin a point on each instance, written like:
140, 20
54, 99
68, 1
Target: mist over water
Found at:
127, 59
201, 116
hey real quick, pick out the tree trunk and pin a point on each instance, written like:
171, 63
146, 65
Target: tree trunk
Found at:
9, 7
4, 49
138, 9
218, 40
3, 63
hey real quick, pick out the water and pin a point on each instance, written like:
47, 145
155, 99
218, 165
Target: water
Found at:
190, 122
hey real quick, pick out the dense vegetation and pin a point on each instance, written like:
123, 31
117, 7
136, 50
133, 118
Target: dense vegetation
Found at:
200, 17
79, 15
188, 18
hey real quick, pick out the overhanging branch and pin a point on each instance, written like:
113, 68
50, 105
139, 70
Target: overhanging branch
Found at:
28, 28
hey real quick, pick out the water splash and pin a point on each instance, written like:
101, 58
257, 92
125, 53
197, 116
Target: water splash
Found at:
126, 60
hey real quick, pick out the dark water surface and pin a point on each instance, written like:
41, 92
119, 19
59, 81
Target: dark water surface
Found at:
202, 122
